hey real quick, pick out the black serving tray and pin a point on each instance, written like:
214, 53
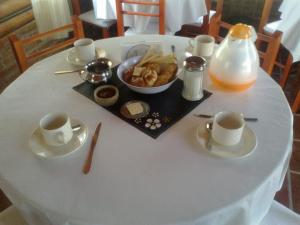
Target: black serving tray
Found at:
166, 108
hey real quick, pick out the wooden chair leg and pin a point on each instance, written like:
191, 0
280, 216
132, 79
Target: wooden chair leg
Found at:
296, 103
286, 71
105, 33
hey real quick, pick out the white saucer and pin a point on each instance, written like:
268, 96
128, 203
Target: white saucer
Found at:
244, 148
73, 59
41, 149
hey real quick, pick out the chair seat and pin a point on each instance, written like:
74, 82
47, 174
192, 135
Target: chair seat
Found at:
272, 27
152, 28
280, 215
90, 17
11, 216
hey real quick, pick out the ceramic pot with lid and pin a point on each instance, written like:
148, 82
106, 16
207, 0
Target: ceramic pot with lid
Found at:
97, 71
234, 65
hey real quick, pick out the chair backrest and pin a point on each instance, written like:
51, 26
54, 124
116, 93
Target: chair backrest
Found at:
264, 16
210, 12
76, 7
19, 45
121, 12
267, 46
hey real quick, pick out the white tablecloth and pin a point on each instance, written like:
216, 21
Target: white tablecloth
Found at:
136, 179
178, 12
289, 25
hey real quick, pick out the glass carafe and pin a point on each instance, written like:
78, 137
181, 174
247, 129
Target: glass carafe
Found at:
234, 65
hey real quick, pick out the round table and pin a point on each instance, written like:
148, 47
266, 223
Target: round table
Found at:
136, 179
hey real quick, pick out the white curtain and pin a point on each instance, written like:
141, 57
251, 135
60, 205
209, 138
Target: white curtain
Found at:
50, 14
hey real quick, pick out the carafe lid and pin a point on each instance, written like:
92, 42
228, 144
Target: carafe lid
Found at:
241, 31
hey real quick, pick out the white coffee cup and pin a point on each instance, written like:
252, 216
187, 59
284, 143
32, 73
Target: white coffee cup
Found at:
228, 128
85, 49
56, 129
202, 45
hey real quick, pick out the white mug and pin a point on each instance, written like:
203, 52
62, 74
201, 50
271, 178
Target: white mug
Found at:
228, 128
56, 129
85, 49
202, 45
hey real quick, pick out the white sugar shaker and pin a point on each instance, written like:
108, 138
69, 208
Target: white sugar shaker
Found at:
194, 67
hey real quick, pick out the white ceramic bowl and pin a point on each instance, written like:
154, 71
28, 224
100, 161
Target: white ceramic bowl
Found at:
143, 90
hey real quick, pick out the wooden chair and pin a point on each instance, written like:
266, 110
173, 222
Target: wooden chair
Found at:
191, 30
25, 60
201, 27
90, 18
121, 12
267, 55
284, 65
264, 17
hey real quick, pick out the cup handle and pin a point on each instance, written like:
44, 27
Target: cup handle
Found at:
191, 43
61, 138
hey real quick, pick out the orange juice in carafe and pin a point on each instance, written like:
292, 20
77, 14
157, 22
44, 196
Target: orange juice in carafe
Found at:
234, 65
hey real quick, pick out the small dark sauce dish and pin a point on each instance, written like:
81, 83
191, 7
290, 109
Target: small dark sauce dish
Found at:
106, 95
106, 92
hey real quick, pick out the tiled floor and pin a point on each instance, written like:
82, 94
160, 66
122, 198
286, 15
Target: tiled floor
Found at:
289, 195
